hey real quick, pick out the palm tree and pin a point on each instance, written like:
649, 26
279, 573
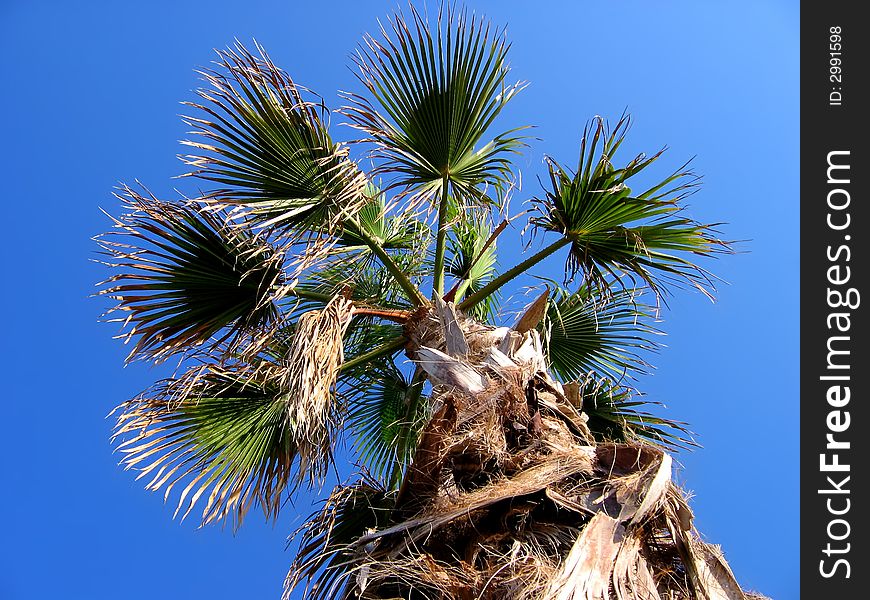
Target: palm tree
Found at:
314, 305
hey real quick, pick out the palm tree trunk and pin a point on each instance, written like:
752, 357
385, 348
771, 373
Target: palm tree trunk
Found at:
509, 495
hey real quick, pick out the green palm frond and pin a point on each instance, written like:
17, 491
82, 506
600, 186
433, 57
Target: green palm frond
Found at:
269, 149
473, 262
382, 407
613, 231
185, 276
614, 417
325, 559
219, 432
384, 412
604, 333
365, 334
366, 282
399, 232
435, 90
243, 433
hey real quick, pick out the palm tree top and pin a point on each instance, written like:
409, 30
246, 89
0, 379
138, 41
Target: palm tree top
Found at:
318, 293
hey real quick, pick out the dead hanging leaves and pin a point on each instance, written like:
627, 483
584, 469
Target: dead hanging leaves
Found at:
311, 369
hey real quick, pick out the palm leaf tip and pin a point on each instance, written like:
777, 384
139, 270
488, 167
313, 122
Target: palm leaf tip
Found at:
436, 89
184, 276
269, 150
219, 433
613, 230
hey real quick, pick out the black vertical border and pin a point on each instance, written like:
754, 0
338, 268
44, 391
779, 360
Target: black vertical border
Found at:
828, 125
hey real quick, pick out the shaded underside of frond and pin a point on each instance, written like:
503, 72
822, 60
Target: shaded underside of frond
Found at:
184, 277
618, 413
591, 330
385, 412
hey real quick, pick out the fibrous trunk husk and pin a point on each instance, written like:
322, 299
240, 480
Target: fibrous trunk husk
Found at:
509, 495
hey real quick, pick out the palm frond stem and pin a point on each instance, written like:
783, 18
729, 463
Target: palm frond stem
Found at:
386, 348
415, 392
307, 294
389, 314
414, 295
510, 274
441, 240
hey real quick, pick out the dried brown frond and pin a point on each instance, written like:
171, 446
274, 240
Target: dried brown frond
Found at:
509, 495
326, 558
311, 369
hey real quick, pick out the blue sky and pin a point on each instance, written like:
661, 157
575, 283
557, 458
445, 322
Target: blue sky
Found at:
90, 98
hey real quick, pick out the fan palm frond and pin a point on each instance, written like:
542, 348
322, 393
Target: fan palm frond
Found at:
269, 148
325, 558
612, 230
384, 412
435, 90
398, 232
222, 432
186, 276
589, 331
473, 261
243, 433
366, 282
614, 417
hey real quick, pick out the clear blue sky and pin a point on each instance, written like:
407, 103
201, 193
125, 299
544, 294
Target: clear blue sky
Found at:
90, 97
